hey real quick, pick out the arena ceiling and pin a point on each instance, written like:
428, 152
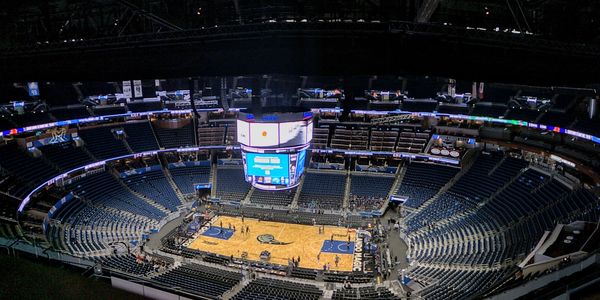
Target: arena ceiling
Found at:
523, 41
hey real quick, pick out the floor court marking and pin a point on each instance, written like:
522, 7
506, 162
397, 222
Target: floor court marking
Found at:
218, 232
339, 247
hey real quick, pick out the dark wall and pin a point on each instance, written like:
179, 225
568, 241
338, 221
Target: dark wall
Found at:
307, 49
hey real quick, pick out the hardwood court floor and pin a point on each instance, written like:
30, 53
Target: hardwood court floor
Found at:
305, 241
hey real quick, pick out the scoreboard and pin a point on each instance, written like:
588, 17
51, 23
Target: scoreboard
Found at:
274, 148
274, 169
274, 135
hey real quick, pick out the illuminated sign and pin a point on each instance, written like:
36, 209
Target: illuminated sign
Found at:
562, 160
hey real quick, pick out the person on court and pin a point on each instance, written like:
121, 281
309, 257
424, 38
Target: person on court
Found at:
337, 260
331, 242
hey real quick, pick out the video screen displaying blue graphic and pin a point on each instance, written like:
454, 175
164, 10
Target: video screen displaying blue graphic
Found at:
268, 168
300, 164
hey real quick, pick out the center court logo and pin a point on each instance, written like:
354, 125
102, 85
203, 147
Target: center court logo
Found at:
270, 239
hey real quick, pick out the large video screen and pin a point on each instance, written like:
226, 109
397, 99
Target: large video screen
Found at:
292, 134
264, 134
243, 132
268, 168
285, 134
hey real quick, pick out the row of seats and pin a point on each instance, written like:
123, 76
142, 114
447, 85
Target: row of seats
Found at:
105, 190
488, 173
90, 229
405, 140
37, 171
155, 186
412, 140
422, 181
320, 138
502, 229
367, 292
200, 279
274, 289
281, 198
231, 184
140, 137
66, 156
208, 136
369, 192
102, 142
127, 263
323, 190
186, 177
383, 140
350, 139
175, 137
455, 284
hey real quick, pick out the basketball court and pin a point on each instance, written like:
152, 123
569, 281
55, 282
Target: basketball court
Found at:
282, 240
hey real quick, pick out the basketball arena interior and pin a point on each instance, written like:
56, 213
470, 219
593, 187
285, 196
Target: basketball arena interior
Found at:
362, 149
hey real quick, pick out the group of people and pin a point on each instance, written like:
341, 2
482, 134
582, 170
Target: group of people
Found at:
294, 262
327, 266
243, 230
